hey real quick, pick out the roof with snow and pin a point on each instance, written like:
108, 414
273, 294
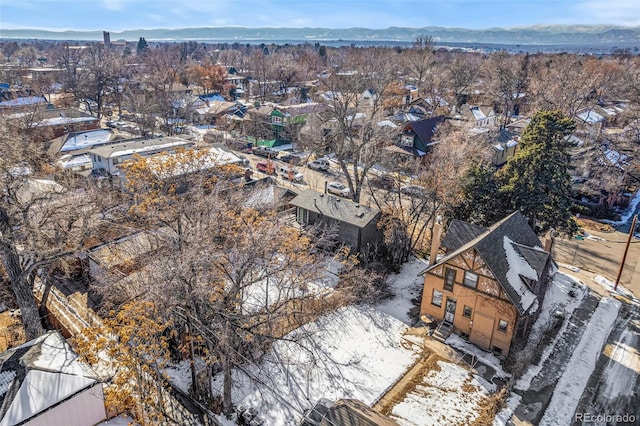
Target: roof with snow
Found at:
38, 375
80, 140
510, 249
140, 146
590, 117
23, 101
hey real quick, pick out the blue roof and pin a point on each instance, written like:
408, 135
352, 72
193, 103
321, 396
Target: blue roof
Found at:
212, 97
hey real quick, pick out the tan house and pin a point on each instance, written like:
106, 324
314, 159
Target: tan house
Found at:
490, 284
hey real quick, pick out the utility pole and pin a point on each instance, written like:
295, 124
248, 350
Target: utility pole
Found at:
626, 250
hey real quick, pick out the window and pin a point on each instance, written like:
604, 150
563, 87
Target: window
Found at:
117, 160
275, 119
470, 279
467, 311
449, 279
502, 326
437, 298
406, 140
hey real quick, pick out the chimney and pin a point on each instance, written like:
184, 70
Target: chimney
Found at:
548, 240
436, 236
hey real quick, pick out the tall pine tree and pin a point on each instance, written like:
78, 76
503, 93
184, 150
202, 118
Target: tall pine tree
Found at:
480, 203
536, 180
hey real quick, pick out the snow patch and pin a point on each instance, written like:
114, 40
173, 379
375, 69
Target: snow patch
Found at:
486, 358
518, 267
448, 396
355, 352
405, 286
609, 286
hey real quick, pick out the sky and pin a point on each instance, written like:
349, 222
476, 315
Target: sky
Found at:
118, 15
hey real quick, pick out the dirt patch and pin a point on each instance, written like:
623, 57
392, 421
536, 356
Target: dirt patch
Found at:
11, 331
592, 225
489, 406
406, 385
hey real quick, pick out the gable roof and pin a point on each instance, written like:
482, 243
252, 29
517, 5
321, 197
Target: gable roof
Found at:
512, 251
38, 375
460, 233
337, 208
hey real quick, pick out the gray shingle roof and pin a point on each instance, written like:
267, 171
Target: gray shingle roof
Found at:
336, 208
515, 230
460, 233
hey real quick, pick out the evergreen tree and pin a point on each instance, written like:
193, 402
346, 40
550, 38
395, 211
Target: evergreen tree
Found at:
536, 180
142, 45
480, 201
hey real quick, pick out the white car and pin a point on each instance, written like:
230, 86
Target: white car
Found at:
336, 188
291, 174
321, 165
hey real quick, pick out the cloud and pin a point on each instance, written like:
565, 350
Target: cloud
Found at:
114, 5
620, 12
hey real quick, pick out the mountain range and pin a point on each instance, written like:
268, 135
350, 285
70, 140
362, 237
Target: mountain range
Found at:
541, 35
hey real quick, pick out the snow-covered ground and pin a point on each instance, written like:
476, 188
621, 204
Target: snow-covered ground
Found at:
573, 381
480, 355
609, 286
405, 286
447, 395
355, 352
628, 213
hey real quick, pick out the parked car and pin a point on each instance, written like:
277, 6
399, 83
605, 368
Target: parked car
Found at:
261, 151
413, 191
383, 181
289, 159
266, 167
245, 160
291, 174
336, 188
320, 164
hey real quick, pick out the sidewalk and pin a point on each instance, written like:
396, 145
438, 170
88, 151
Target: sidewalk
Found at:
536, 398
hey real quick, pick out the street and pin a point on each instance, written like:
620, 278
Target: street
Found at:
613, 387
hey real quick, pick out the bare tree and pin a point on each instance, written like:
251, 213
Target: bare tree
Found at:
356, 102
236, 276
44, 216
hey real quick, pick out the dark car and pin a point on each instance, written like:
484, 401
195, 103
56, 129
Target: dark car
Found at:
290, 159
384, 182
264, 152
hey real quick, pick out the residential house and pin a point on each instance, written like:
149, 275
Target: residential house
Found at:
73, 148
504, 145
417, 136
490, 284
55, 122
355, 224
475, 116
42, 382
106, 158
280, 124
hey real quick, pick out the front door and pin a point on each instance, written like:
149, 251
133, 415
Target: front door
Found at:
450, 310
